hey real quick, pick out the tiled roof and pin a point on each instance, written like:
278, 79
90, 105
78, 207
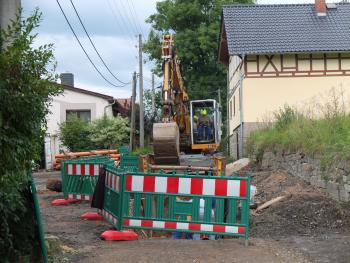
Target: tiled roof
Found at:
88, 92
264, 29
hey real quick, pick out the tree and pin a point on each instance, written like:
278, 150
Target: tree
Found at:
196, 25
27, 84
150, 116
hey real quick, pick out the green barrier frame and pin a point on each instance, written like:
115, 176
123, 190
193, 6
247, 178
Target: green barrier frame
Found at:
130, 163
124, 150
153, 209
79, 176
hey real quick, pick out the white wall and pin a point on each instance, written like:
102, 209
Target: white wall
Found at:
69, 100
8, 11
235, 72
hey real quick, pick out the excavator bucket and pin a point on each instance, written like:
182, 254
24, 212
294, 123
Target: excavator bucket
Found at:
166, 143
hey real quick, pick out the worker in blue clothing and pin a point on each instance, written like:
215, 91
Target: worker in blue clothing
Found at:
204, 126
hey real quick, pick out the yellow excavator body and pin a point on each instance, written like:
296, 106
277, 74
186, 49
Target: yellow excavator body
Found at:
175, 132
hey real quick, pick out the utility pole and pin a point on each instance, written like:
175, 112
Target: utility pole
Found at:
133, 112
142, 128
153, 98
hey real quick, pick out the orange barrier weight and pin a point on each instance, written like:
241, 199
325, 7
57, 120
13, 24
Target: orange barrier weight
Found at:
58, 202
112, 235
93, 216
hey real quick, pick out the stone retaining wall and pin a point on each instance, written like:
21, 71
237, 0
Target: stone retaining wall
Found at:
335, 179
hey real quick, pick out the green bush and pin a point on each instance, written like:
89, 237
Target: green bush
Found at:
284, 117
27, 83
104, 133
74, 134
109, 133
144, 150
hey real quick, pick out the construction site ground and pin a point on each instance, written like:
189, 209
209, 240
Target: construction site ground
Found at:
306, 226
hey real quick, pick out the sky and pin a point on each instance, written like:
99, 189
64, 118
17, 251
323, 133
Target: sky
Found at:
113, 26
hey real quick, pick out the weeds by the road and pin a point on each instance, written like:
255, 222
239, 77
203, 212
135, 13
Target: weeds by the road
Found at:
327, 134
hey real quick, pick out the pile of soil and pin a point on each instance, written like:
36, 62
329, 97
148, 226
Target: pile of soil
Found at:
306, 210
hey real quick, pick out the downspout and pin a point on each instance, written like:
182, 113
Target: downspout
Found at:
105, 108
241, 107
228, 112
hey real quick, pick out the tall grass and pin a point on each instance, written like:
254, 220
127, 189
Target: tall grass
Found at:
327, 135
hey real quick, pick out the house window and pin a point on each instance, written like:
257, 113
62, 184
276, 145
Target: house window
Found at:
239, 101
81, 114
231, 110
234, 105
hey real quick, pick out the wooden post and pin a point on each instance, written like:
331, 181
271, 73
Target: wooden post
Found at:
133, 112
142, 128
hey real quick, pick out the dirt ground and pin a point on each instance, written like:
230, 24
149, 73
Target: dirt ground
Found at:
306, 227
306, 210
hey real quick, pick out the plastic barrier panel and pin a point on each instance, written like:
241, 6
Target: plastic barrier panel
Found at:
79, 176
178, 202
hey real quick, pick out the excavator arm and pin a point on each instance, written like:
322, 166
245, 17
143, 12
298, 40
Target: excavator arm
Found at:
173, 132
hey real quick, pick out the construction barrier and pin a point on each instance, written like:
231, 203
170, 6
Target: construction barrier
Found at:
177, 202
124, 150
129, 163
79, 176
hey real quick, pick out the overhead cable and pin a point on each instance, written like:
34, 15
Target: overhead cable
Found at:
93, 45
87, 55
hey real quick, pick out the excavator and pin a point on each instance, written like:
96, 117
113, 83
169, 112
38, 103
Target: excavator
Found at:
186, 126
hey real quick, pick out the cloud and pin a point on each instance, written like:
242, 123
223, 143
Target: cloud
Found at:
112, 25
114, 50
121, 17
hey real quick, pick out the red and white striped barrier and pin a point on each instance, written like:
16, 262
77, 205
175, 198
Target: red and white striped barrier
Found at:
80, 197
186, 185
83, 169
109, 216
184, 226
112, 181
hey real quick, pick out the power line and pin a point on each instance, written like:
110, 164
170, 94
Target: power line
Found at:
131, 21
76, 37
125, 23
92, 43
134, 15
124, 29
137, 17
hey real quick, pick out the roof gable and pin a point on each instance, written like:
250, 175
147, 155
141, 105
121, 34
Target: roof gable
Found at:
266, 29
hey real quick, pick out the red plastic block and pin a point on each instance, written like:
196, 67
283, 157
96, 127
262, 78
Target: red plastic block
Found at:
92, 216
58, 202
113, 235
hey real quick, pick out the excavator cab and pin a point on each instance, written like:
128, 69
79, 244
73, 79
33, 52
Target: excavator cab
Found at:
205, 119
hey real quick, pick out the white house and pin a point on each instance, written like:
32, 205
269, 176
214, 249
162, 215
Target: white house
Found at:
85, 104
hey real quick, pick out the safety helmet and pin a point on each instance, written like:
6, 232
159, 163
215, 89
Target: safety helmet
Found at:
204, 112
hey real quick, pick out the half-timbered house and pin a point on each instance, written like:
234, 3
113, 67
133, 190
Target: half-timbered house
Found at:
278, 55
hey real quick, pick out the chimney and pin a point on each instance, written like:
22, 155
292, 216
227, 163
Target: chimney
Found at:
321, 7
67, 79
